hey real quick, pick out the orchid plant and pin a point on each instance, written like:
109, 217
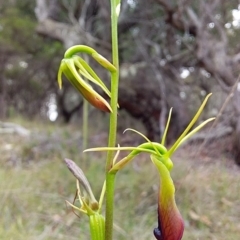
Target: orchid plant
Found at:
170, 225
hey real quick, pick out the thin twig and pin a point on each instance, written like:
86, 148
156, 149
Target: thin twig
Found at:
229, 97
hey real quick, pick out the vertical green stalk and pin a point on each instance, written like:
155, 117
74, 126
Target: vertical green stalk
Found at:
110, 178
85, 123
85, 129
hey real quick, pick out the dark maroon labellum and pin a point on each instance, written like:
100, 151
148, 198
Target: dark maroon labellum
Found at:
157, 234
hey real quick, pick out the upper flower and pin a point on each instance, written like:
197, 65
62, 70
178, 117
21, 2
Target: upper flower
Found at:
76, 69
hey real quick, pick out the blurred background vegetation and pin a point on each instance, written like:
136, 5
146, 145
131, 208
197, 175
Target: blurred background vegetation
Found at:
172, 54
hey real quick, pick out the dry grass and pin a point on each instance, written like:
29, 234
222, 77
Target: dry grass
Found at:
34, 184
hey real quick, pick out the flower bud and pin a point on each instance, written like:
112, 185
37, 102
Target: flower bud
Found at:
68, 68
78, 173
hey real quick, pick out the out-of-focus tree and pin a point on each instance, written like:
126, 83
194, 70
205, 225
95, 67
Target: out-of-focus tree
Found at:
28, 62
172, 53
212, 28
88, 22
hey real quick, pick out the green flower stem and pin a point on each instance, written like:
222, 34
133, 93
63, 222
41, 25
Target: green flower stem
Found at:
85, 129
110, 178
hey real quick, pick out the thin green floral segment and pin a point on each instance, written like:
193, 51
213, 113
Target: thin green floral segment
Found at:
104, 62
90, 71
166, 160
196, 130
143, 136
166, 128
86, 70
179, 140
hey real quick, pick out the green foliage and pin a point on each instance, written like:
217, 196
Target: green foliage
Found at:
24, 6
17, 31
18, 34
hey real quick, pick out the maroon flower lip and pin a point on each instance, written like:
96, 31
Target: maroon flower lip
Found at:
170, 222
171, 230
157, 233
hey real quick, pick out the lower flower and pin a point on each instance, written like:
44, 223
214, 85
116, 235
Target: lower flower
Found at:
170, 222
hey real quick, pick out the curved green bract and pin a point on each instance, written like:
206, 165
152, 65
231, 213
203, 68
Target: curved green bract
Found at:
78, 49
94, 54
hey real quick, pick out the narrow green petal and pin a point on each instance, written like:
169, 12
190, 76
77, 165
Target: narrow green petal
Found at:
59, 76
144, 147
166, 128
104, 62
142, 135
76, 208
103, 149
176, 144
195, 130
